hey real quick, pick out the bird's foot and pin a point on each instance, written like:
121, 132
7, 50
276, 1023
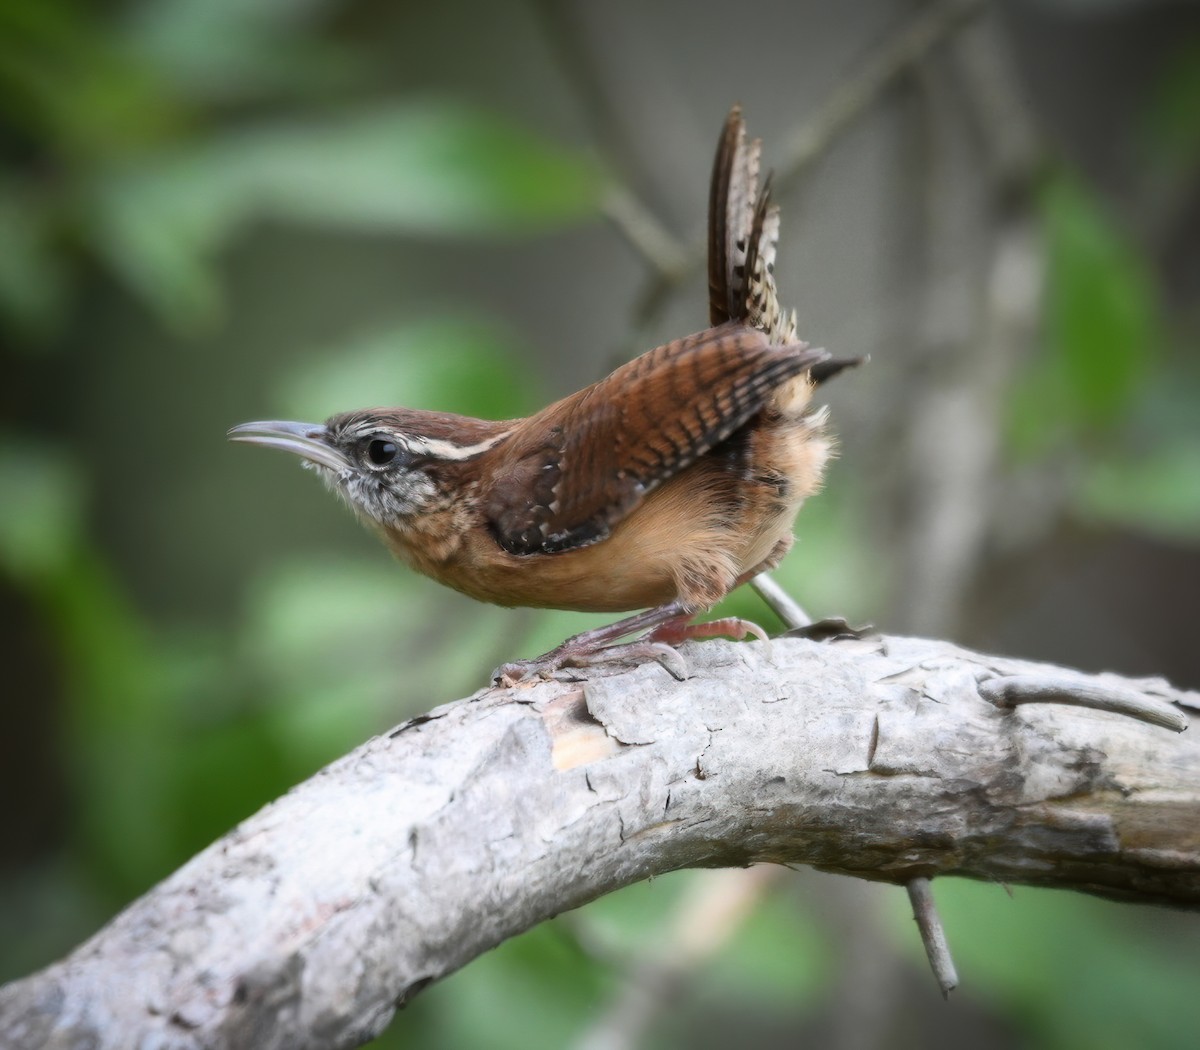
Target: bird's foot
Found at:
658, 645
568, 656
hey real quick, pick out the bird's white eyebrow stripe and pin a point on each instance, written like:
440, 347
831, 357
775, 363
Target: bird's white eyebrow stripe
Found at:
434, 448
440, 449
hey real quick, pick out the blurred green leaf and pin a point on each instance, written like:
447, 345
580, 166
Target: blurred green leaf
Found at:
41, 514
428, 168
221, 775
121, 721
1158, 492
158, 224
444, 363
120, 728
535, 990
353, 647
423, 168
553, 992
113, 729
1101, 313
1102, 324
1150, 483
636, 917
231, 51
70, 86
777, 957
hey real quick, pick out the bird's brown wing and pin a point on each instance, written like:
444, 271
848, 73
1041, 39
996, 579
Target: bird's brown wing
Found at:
580, 466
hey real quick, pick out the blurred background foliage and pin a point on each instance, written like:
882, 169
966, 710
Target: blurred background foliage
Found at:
213, 211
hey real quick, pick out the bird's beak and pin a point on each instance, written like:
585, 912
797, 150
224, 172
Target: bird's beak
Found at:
306, 440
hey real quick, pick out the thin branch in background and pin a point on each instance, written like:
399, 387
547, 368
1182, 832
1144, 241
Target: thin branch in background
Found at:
642, 229
845, 104
854, 95
636, 222
999, 115
933, 935
790, 611
943, 493
968, 363
568, 38
712, 910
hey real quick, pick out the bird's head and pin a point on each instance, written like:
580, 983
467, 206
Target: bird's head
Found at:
386, 463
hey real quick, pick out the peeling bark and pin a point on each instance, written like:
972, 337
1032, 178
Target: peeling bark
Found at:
892, 759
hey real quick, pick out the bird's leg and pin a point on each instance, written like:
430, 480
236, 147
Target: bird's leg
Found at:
667, 625
677, 630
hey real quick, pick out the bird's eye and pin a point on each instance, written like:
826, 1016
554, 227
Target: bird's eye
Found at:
381, 452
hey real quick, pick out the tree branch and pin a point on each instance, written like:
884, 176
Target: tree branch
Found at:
312, 921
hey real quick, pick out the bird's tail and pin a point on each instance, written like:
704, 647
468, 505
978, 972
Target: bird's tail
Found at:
743, 229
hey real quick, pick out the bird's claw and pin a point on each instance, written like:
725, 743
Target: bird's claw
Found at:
564, 657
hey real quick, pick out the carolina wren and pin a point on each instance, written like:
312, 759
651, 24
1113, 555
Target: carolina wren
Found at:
661, 487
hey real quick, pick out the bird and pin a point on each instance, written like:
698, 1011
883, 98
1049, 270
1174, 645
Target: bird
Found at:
660, 488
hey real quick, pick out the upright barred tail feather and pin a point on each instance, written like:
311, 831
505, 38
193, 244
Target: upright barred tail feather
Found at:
732, 197
762, 307
743, 228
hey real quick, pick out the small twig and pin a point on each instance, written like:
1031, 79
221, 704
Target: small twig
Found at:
1012, 690
709, 915
1000, 118
790, 611
811, 140
853, 96
649, 237
933, 934
569, 38
573, 44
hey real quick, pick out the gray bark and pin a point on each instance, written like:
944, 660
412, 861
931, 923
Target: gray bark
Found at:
889, 759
